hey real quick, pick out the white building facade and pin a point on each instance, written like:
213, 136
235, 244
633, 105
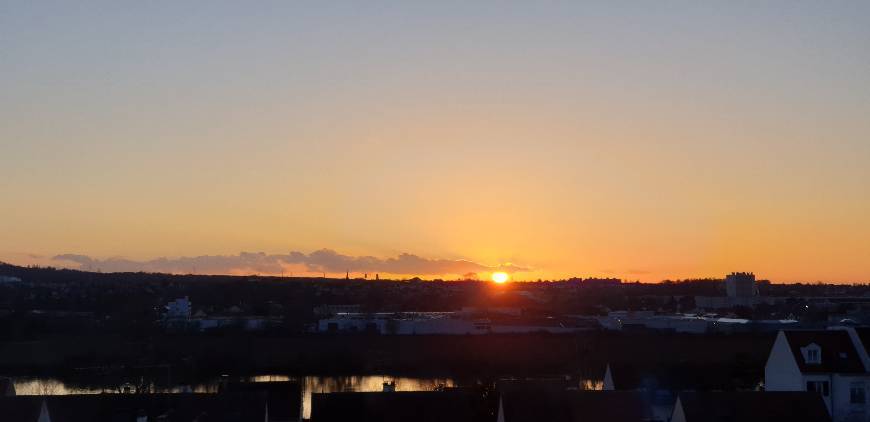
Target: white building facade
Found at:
833, 363
433, 323
740, 285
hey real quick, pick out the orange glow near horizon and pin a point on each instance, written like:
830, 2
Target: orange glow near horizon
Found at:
500, 277
440, 154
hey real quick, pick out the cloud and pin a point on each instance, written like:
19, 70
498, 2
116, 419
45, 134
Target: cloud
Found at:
324, 260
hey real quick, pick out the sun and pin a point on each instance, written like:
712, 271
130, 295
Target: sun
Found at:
500, 277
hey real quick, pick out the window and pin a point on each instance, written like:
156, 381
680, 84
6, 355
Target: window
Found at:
820, 387
812, 353
856, 393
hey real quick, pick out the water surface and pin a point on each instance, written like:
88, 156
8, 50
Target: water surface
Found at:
310, 384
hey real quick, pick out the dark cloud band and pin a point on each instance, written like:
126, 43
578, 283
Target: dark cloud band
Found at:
324, 260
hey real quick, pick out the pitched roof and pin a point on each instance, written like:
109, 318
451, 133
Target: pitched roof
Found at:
838, 352
20, 408
428, 406
284, 397
685, 376
793, 406
173, 407
573, 406
864, 336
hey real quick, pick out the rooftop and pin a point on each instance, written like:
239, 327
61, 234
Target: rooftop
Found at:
172, 407
838, 353
433, 406
572, 406
765, 406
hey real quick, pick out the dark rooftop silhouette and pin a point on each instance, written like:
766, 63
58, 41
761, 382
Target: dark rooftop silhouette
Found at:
767, 406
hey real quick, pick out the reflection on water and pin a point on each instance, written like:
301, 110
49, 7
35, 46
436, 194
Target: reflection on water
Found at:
364, 383
25, 386
310, 384
590, 384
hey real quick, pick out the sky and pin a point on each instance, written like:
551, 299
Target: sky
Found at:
641, 140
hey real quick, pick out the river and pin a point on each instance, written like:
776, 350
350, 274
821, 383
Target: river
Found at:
310, 384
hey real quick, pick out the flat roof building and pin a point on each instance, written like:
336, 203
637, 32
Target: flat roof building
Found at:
740, 285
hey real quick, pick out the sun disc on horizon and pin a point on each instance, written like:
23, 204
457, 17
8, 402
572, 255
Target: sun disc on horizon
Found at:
500, 277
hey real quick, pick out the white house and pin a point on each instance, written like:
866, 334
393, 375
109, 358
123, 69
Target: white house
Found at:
832, 363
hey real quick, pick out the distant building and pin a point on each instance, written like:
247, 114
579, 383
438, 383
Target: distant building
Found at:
8, 279
727, 302
749, 406
649, 320
456, 323
740, 290
595, 282
389, 387
740, 285
404, 323
247, 323
178, 309
178, 316
831, 363
624, 320
501, 310
329, 310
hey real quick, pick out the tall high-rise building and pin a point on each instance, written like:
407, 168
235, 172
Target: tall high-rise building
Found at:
740, 285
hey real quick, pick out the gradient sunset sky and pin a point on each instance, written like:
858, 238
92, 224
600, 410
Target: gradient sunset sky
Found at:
642, 140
